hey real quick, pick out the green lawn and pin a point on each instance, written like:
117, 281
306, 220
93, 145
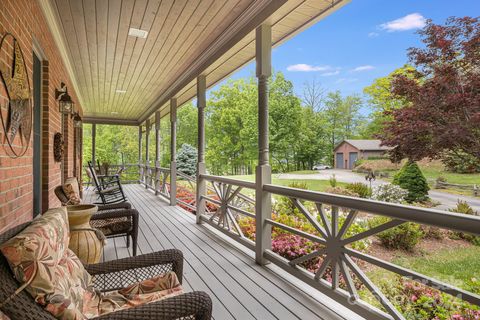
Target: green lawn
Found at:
304, 172
454, 266
459, 267
459, 178
432, 170
314, 185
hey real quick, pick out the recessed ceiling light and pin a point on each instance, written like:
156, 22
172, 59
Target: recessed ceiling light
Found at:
120, 91
134, 32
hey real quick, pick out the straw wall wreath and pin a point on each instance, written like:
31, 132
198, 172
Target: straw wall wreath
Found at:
16, 87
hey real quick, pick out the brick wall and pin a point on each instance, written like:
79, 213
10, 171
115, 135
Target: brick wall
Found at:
24, 19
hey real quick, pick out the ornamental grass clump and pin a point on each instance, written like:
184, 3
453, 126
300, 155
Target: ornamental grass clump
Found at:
464, 207
361, 189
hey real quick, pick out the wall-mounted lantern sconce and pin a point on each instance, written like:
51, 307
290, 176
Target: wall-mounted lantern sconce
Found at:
77, 120
65, 103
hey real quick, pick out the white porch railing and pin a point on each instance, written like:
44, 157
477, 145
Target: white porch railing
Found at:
325, 212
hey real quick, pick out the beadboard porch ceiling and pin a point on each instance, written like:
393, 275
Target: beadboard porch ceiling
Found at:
124, 79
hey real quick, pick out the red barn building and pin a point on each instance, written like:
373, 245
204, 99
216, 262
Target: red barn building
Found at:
348, 152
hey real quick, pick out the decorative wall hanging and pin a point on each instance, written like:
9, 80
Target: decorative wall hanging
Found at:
58, 147
16, 85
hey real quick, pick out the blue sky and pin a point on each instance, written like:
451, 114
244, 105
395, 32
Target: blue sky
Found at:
361, 41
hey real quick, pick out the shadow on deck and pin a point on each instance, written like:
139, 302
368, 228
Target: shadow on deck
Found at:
239, 288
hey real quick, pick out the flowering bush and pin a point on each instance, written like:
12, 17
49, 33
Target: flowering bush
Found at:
292, 246
389, 193
417, 301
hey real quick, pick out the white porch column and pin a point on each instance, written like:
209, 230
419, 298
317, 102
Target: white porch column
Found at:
263, 201
173, 151
201, 167
140, 168
157, 150
147, 152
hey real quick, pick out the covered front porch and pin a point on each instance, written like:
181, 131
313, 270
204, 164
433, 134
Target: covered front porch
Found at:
239, 288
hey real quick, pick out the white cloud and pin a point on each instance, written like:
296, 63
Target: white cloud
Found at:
373, 34
302, 67
331, 73
363, 68
411, 21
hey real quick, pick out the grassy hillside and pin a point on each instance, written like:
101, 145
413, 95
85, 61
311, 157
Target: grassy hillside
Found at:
431, 169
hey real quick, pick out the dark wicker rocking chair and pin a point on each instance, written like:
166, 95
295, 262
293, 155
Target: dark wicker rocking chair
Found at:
108, 276
108, 188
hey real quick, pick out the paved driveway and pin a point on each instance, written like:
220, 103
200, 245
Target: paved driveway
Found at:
447, 200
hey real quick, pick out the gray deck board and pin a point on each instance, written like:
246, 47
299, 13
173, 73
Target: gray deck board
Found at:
239, 288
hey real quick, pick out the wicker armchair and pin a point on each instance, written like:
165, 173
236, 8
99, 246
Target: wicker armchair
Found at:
109, 276
114, 220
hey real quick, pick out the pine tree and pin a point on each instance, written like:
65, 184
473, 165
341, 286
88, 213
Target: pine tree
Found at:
187, 159
411, 178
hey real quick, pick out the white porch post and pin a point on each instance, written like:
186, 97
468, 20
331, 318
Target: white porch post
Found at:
140, 167
173, 151
94, 137
201, 168
147, 152
263, 203
157, 150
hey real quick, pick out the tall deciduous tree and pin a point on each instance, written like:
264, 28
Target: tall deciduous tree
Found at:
341, 118
382, 100
442, 109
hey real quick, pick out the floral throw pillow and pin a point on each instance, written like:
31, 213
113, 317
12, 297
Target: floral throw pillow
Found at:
72, 195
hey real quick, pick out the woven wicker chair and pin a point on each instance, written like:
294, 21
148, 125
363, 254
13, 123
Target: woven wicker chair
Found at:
114, 220
108, 276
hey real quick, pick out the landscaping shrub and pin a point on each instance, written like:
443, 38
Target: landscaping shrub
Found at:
359, 188
283, 205
411, 178
342, 191
461, 162
405, 236
389, 193
433, 232
464, 207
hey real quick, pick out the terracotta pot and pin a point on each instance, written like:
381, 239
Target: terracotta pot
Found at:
86, 242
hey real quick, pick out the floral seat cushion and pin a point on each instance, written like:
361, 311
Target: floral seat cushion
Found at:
54, 276
151, 290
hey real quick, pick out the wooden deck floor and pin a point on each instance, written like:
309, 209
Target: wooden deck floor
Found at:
239, 288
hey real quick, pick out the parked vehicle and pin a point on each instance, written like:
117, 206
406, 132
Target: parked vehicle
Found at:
321, 167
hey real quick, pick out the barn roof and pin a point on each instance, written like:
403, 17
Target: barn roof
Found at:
366, 144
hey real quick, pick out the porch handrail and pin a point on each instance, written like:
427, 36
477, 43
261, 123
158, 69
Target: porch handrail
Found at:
334, 244
433, 217
235, 182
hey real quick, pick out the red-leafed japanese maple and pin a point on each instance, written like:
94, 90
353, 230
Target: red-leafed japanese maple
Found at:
442, 111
